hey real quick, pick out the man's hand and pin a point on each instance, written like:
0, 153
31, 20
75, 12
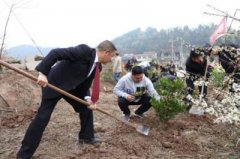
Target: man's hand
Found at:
42, 80
91, 105
130, 98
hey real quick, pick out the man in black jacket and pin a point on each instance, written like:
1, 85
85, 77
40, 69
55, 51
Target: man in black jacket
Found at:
71, 69
195, 66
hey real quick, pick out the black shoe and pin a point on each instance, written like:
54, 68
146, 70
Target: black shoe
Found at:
90, 141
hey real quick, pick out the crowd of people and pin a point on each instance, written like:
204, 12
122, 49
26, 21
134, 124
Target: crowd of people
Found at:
198, 66
76, 69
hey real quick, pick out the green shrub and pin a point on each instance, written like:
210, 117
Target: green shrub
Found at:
217, 76
172, 92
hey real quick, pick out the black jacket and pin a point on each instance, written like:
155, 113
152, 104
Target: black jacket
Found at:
67, 68
227, 61
195, 69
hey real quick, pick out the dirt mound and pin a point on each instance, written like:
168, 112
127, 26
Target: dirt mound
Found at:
185, 136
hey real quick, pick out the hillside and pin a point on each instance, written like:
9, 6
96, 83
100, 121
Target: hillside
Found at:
138, 41
21, 51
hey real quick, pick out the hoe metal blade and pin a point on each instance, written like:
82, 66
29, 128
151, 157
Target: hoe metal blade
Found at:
143, 129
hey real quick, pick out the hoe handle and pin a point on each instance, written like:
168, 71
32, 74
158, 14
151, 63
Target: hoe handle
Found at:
24, 73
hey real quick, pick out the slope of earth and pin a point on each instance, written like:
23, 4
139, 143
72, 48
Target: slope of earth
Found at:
185, 136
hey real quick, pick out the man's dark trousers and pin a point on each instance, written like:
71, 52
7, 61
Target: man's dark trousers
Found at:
144, 101
35, 130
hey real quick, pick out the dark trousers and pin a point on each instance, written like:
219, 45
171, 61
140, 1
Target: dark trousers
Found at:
144, 101
35, 130
190, 87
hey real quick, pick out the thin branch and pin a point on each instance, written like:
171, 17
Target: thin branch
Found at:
217, 9
5, 30
232, 19
26, 31
220, 15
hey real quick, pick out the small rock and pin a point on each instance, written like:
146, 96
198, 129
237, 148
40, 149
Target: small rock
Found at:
167, 144
190, 135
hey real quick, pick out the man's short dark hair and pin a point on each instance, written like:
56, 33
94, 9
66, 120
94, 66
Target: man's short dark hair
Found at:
136, 70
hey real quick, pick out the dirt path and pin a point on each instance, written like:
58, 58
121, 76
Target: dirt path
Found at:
185, 136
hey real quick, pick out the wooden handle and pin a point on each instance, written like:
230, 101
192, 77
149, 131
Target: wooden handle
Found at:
24, 73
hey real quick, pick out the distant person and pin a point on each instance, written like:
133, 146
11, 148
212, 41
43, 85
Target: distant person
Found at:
117, 67
195, 66
227, 60
172, 65
133, 60
135, 89
129, 65
154, 78
172, 69
168, 72
71, 69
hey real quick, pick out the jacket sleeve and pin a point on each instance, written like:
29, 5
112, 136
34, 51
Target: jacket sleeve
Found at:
71, 54
119, 89
151, 90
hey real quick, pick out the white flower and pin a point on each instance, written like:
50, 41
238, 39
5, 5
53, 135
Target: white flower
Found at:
189, 97
236, 87
225, 111
210, 111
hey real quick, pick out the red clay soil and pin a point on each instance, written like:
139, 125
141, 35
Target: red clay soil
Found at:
185, 136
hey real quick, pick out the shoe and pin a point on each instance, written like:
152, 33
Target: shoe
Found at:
91, 141
126, 117
138, 115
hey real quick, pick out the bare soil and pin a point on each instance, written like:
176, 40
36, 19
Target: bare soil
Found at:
185, 136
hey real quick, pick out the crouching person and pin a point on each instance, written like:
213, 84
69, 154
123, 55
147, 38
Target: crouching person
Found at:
135, 89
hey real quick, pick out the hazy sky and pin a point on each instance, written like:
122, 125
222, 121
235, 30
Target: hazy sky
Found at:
62, 23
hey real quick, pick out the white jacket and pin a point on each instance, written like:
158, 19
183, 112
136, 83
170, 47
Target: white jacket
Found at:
126, 86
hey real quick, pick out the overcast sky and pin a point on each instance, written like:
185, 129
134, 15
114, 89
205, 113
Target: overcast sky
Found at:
63, 23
